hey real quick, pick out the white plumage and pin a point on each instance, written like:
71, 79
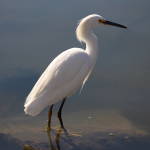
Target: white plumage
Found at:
55, 83
68, 71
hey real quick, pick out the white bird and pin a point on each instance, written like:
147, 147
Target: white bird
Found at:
68, 72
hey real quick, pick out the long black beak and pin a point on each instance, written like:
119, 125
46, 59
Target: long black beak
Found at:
106, 22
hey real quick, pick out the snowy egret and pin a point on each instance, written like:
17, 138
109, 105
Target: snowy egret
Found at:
68, 72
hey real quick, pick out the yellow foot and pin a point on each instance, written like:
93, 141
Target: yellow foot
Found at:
60, 130
57, 128
66, 132
48, 129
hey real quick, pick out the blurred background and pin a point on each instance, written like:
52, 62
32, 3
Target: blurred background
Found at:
33, 32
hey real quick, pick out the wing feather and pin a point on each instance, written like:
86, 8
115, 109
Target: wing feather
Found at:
62, 78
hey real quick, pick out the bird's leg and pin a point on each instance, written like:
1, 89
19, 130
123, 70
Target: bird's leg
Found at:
59, 114
49, 117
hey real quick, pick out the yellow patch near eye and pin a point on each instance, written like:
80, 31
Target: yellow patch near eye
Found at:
102, 21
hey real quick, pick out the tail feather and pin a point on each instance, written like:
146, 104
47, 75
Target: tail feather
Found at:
31, 110
34, 107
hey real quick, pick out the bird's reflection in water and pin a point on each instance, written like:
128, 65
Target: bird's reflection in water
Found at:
29, 147
56, 141
54, 138
61, 134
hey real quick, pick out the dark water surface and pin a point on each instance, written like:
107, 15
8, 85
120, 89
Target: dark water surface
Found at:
96, 141
87, 130
112, 112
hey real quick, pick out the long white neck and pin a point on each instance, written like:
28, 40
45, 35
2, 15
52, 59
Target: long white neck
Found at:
92, 47
85, 34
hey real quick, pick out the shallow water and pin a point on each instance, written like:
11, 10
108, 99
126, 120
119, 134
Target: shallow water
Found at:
85, 130
112, 112
86, 122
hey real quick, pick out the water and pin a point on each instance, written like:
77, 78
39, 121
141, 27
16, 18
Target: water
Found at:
99, 129
112, 112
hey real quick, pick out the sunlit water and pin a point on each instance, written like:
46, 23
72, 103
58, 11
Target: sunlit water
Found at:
84, 122
112, 112
92, 129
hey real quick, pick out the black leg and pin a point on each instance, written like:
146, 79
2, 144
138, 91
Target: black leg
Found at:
50, 116
59, 113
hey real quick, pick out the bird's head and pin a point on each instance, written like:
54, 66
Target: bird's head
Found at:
91, 21
94, 20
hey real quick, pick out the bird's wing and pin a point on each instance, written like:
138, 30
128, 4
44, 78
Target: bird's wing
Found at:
70, 66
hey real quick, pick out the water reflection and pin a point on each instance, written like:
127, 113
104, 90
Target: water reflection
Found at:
54, 138
28, 147
57, 139
67, 138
